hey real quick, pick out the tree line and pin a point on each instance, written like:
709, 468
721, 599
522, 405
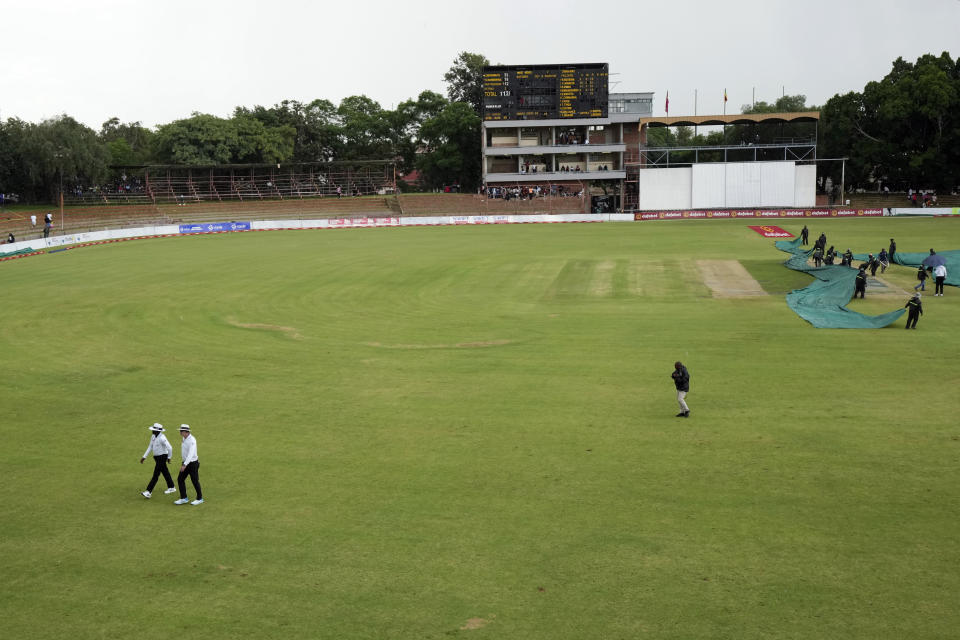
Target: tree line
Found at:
439, 135
901, 131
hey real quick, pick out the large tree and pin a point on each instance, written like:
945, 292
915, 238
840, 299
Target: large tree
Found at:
451, 148
35, 159
465, 80
903, 130
204, 139
128, 143
316, 123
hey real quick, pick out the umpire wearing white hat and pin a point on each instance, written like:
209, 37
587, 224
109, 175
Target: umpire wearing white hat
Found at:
162, 452
189, 467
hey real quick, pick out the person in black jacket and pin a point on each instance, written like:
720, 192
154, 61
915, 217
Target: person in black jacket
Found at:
874, 263
847, 258
817, 257
860, 283
914, 310
892, 251
804, 235
681, 378
922, 277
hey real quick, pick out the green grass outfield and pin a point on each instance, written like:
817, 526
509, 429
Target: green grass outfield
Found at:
469, 432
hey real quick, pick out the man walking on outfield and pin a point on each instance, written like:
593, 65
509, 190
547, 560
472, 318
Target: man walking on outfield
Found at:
161, 450
939, 274
189, 467
681, 378
914, 310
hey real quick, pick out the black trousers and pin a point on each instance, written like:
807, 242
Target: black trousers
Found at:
160, 467
192, 470
939, 284
912, 317
860, 290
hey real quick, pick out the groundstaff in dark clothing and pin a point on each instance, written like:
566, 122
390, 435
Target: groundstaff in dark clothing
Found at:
847, 258
681, 378
804, 235
874, 263
161, 451
892, 251
190, 467
914, 311
922, 277
860, 283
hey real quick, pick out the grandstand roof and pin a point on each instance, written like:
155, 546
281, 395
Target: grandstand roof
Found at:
737, 118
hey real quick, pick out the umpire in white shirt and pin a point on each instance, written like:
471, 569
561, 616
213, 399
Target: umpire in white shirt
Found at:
161, 450
190, 467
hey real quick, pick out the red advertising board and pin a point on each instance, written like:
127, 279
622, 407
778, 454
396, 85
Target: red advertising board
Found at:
771, 231
706, 214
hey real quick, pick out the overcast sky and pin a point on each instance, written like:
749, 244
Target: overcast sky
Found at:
157, 62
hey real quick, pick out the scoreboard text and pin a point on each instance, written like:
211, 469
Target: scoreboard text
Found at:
546, 92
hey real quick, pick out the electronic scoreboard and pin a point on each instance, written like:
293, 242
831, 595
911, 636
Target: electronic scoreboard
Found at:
545, 92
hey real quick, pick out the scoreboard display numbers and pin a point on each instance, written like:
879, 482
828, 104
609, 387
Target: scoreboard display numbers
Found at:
545, 92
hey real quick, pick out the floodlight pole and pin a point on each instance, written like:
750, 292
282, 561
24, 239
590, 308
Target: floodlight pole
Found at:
843, 176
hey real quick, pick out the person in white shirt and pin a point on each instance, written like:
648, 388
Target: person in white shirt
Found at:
161, 451
940, 274
189, 467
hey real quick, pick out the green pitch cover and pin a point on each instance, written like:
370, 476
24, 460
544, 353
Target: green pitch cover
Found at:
823, 303
951, 260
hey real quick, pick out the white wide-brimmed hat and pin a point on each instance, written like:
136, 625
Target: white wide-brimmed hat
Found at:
185, 427
157, 427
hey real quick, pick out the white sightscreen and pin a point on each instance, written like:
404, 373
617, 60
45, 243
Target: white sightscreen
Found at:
743, 184
805, 187
709, 186
664, 188
777, 184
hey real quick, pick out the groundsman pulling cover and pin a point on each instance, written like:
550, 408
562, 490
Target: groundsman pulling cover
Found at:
822, 304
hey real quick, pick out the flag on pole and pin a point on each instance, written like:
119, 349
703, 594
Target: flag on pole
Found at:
666, 105
724, 94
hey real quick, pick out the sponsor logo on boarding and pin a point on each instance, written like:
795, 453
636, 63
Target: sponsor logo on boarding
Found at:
771, 231
698, 214
846, 213
794, 213
213, 227
721, 214
870, 212
771, 214
460, 220
647, 216
744, 214
820, 213
671, 215
501, 219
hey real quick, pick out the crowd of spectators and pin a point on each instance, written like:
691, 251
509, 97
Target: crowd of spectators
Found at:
531, 192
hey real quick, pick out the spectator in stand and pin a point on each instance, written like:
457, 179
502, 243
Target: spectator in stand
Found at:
33, 220
339, 192
10, 238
